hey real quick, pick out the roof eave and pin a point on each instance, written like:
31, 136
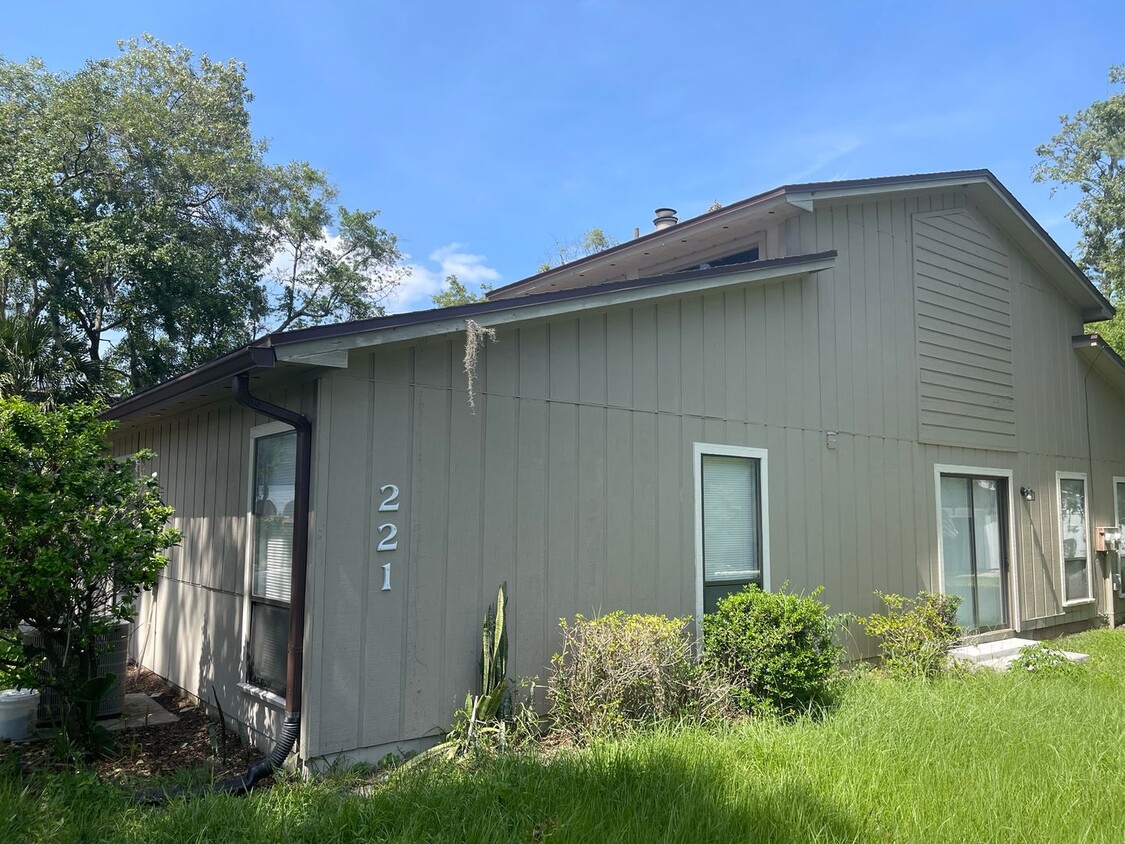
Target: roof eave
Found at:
1093, 349
255, 356
759, 202
328, 345
554, 303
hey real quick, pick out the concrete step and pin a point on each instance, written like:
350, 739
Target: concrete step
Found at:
999, 655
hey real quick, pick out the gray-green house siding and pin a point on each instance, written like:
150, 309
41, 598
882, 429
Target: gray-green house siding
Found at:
573, 479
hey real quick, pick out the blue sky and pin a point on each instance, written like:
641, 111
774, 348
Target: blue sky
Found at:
487, 131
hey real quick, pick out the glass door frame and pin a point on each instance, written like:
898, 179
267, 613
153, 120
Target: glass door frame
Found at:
1009, 579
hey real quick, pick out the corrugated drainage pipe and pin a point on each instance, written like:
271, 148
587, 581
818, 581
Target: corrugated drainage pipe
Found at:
294, 665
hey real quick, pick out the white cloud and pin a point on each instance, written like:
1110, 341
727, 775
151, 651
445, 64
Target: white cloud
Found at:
420, 282
819, 151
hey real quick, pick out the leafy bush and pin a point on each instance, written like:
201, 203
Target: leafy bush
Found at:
1044, 659
916, 635
775, 648
619, 672
80, 535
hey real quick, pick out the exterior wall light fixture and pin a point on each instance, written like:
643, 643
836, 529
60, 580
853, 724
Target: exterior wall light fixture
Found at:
1028, 493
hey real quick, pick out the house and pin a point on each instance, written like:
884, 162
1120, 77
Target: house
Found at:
873, 384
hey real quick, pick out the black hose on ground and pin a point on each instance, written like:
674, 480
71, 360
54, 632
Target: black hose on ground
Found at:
236, 786
239, 786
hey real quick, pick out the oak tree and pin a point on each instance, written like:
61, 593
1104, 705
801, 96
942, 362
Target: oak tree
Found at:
1088, 152
137, 209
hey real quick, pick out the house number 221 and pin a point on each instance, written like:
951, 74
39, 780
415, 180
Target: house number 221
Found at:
389, 530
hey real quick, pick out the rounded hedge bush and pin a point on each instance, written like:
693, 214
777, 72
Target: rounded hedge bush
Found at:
774, 648
620, 672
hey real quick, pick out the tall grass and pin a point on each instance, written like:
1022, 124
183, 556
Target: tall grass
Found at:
982, 758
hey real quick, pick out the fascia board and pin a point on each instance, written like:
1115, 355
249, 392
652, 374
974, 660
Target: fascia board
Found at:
331, 358
809, 196
1029, 236
545, 310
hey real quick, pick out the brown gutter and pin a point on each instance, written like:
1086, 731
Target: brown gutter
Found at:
258, 355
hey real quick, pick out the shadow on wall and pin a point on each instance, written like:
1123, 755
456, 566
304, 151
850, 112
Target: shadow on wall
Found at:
1044, 562
220, 665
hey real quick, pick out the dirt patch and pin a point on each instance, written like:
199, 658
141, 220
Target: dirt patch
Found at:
157, 750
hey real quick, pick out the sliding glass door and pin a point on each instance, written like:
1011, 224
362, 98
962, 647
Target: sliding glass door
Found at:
974, 548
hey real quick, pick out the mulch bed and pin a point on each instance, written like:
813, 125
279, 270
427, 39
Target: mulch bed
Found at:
161, 750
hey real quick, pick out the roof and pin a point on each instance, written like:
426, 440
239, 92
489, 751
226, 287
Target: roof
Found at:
328, 345
1102, 358
982, 186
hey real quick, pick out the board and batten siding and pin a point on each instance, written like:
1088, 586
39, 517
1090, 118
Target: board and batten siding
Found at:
572, 481
189, 628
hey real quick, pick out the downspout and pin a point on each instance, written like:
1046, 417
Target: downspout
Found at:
294, 664
1102, 557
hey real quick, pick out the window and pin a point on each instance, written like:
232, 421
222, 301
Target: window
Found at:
1074, 520
732, 537
744, 257
274, 474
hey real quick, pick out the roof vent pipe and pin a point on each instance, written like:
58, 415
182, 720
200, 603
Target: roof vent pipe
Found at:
665, 218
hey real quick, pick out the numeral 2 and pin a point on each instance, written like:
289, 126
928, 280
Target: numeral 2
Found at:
390, 503
388, 542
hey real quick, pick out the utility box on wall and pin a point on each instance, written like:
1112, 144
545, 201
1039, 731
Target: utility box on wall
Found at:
1107, 538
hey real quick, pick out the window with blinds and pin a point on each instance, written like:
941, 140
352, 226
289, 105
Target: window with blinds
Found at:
731, 514
275, 471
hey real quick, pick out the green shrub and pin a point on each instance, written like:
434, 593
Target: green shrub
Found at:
1044, 659
619, 672
776, 649
81, 534
916, 635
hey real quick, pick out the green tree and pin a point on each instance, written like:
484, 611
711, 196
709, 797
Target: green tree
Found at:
81, 534
1089, 152
563, 252
136, 209
455, 293
318, 275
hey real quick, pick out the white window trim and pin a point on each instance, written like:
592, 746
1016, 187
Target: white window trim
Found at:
266, 430
264, 695
1014, 620
759, 454
1118, 479
1082, 476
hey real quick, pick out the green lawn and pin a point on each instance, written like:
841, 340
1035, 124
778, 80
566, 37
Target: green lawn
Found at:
984, 758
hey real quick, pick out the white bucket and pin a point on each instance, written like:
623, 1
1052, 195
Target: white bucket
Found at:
17, 706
